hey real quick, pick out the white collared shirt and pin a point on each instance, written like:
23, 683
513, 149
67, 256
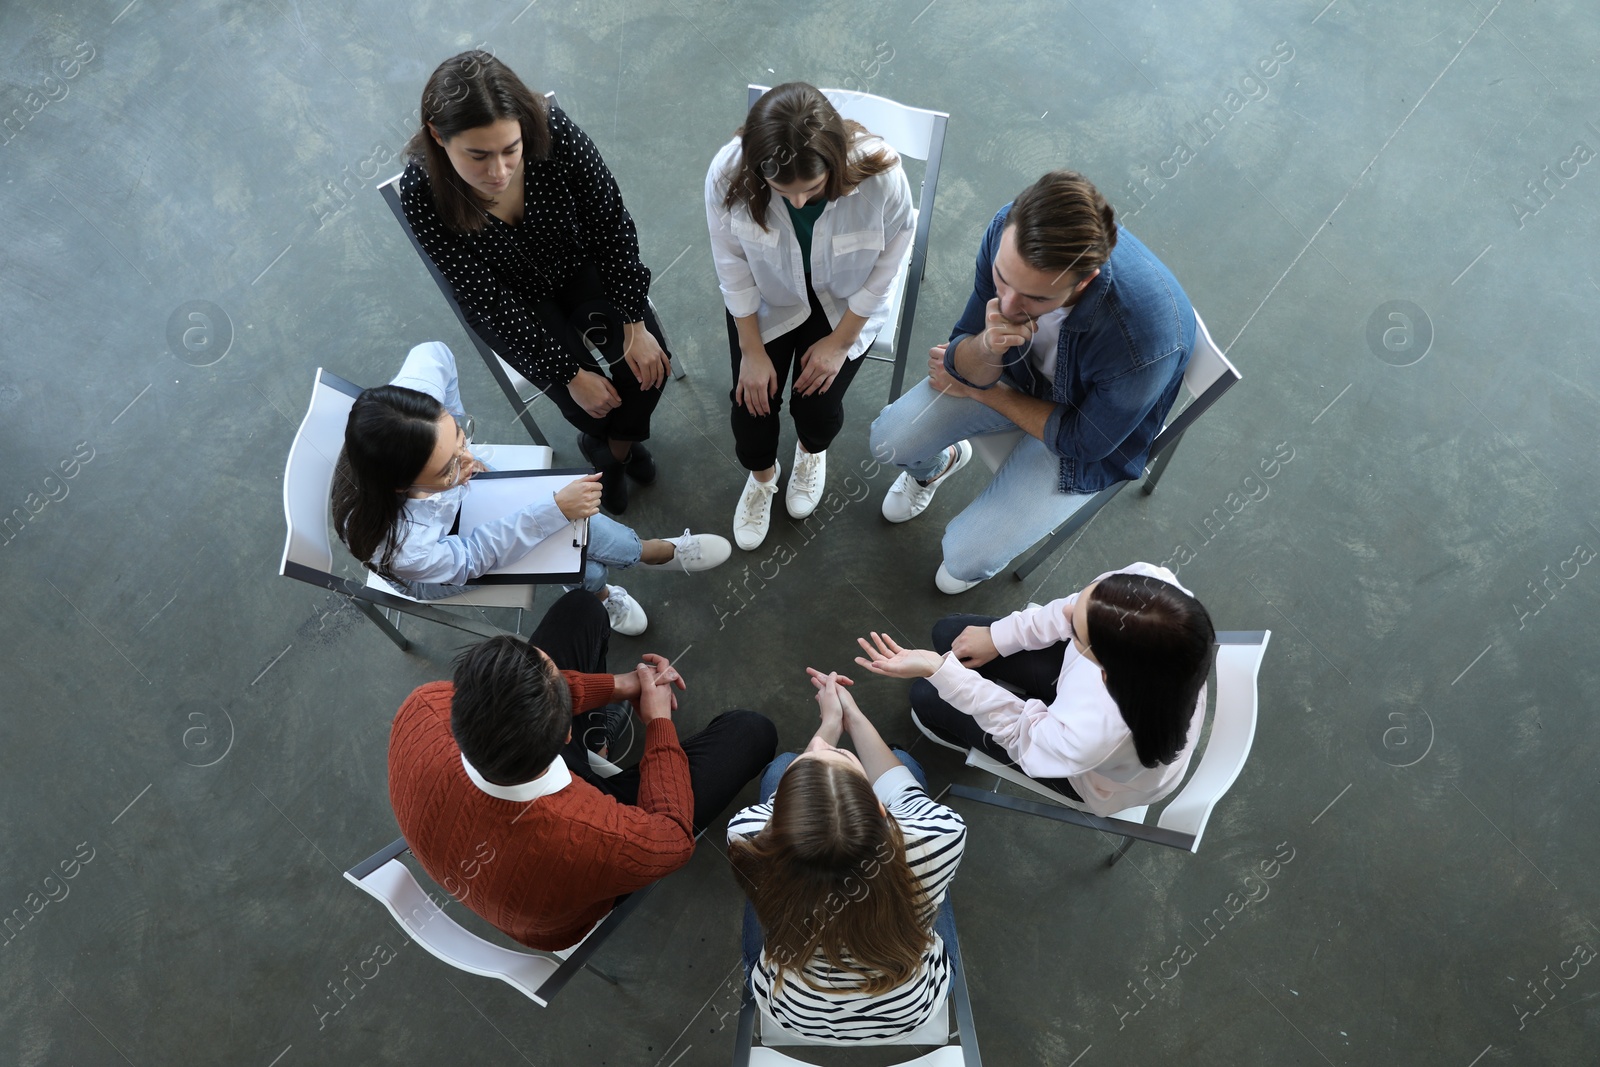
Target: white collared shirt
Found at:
859, 246
555, 778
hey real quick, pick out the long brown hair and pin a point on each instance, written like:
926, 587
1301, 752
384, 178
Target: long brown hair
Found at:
467, 91
828, 873
794, 134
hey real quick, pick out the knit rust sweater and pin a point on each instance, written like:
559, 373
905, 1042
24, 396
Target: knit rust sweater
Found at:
544, 871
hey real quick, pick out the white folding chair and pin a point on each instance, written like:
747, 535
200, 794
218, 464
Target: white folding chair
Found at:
1182, 821
915, 133
758, 1032
308, 549
1205, 379
517, 389
537, 975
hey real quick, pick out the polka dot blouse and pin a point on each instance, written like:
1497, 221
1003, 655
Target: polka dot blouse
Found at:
573, 213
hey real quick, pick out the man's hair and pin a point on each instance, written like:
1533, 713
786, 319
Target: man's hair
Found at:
1061, 223
511, 710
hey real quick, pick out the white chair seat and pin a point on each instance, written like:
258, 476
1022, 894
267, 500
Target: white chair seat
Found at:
993, 448
935, 1030
484, 596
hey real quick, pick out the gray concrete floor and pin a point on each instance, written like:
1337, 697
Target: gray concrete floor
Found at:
212, 737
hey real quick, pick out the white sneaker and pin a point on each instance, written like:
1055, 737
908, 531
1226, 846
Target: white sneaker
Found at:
806, 481
907, 498
627, 617
948, 583
754, 514
695, 552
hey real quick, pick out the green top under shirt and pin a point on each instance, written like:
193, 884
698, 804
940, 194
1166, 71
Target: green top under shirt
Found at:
804, 218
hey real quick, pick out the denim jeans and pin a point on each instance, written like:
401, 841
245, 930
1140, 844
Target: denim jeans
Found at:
1019, 506
610, 544
944, 924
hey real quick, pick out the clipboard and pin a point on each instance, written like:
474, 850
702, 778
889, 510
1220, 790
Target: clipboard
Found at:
559, 558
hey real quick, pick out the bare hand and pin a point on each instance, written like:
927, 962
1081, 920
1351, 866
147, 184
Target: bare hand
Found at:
886, 658
655, 697
820, 365
1000, 334
830, 695
594, 393
940, 379
974, 646
580, 499
644, 356
758, 383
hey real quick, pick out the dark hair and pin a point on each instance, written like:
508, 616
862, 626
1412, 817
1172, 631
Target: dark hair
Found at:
511, 711
388, 440
793, 133
1156, 644
1062, 223
467, 91
828, 873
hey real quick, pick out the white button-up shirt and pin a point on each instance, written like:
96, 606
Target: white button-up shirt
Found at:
1081, 737
428, 554
859, 247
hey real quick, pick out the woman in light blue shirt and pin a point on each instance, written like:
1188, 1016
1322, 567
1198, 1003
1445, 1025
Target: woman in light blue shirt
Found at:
403, 473
807, 277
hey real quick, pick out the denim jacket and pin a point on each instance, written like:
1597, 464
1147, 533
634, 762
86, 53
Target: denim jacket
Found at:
1119, 361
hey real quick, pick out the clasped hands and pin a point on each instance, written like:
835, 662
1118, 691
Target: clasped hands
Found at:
649, 687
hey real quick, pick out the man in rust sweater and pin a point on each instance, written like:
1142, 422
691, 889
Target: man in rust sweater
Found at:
499, 804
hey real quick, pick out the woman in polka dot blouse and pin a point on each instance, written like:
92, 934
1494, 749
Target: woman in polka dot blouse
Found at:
517, 210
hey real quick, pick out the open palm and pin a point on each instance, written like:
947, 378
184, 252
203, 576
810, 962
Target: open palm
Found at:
885, 657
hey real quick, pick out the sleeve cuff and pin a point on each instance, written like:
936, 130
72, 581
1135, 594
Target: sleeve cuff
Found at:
892, 783
1003, 632
950, 364
742, 302
589, 691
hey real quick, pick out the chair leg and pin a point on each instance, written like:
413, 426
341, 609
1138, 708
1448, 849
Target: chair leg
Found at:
1160, 465
1122, 850
1078, 521
390, 630
601, 973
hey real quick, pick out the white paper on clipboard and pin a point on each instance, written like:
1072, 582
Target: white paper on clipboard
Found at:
497, 494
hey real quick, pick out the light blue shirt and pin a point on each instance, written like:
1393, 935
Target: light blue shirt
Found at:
429, 556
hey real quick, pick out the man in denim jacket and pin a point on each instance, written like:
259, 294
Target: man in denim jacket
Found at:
1075, 334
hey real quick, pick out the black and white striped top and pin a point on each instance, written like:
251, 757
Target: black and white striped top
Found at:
572, 214
934, 837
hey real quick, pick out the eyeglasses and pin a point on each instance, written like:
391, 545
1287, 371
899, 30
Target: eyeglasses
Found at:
452, 473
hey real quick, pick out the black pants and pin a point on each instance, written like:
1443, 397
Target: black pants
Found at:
1033, 672
727, 754
581, 309
818, 418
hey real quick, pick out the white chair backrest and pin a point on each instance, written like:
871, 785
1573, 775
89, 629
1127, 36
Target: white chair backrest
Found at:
308, 476
395, 885
1207, 365
911, 131
1233, 729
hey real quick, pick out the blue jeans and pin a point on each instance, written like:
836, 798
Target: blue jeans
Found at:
610, 544
1019, 506
944, 924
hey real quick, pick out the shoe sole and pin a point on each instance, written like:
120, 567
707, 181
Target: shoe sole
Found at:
935, 738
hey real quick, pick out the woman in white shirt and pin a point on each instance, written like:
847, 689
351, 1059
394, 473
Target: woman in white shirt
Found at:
1099, 695
811, 223
401, 478
847, 863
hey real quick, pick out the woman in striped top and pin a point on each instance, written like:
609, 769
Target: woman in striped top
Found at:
847, 863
